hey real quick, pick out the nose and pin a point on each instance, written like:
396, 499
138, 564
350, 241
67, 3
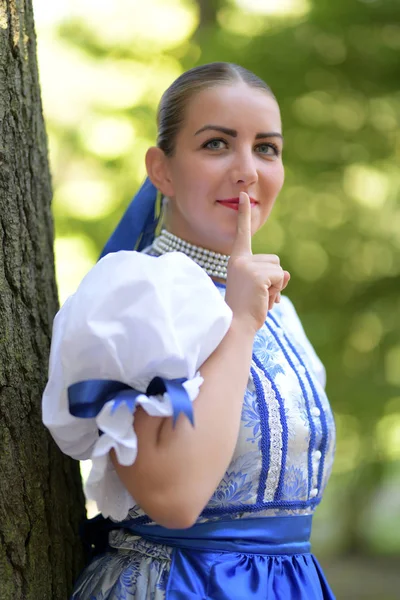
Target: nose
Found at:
244, 169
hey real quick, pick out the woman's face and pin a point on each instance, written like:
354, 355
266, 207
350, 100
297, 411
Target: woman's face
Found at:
230, 142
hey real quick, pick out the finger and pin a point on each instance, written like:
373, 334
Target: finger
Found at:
272, 274
278, 278
286, 279
242, 243
267, 258
271, 300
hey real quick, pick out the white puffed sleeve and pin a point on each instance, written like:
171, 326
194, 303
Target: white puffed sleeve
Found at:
293, 324
134, 317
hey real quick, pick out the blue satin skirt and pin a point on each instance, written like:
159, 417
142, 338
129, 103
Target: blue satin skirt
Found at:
265, 558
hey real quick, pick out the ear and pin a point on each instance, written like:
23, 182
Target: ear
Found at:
158, 172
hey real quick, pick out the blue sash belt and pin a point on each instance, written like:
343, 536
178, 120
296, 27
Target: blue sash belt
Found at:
240, 559
265, 535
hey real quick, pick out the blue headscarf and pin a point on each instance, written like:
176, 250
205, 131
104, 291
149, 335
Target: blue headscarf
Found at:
137, 228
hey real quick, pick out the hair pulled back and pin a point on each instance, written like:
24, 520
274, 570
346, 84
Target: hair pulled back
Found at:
171, 110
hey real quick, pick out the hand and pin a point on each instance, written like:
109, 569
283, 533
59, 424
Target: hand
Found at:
254, 282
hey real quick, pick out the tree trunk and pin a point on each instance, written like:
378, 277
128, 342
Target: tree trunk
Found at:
41, 500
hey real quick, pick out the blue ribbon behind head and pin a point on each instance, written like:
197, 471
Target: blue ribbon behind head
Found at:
87, 398
136, 230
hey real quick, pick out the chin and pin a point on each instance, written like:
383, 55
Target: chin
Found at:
222, 240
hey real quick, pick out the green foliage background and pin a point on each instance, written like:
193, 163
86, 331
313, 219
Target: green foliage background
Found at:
335, 69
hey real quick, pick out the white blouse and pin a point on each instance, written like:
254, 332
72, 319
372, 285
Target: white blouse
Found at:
133, 317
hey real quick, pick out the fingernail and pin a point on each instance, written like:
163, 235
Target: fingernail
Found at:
241, 197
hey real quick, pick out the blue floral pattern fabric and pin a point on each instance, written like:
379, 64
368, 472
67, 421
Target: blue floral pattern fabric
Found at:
281, 464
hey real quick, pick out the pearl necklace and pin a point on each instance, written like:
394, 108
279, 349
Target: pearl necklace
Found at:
214, 264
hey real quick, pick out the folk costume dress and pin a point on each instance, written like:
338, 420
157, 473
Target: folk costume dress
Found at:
135, 334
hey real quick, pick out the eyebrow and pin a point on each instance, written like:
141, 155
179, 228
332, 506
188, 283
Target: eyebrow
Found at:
234, 133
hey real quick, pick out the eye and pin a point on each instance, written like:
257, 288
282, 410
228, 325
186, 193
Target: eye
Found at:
215, 144
269, 149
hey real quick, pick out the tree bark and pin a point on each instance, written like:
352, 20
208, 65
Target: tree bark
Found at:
41, 500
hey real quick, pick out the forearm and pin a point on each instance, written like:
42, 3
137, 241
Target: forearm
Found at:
178, 468
202, 453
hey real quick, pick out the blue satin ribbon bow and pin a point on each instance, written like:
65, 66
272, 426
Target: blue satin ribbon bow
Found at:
87, 398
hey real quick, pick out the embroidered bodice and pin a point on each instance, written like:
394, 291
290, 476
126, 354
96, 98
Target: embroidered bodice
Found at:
285, 449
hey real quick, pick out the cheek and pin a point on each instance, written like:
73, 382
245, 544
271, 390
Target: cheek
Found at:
272, 183
191, 187
274, 179
190, 175
197, 181
276, 176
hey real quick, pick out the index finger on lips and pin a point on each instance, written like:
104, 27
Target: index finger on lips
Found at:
242, 243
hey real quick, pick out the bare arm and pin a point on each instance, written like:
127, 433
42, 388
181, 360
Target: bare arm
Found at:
177, 470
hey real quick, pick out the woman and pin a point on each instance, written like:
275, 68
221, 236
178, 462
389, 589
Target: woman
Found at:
216, 502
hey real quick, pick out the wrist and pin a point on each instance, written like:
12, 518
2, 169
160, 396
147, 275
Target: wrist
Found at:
243, 326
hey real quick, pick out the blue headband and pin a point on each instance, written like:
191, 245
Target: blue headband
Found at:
137, 228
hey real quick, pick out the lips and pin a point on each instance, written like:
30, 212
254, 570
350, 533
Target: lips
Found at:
234, 203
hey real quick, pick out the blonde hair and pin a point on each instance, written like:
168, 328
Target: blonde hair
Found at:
171, 110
